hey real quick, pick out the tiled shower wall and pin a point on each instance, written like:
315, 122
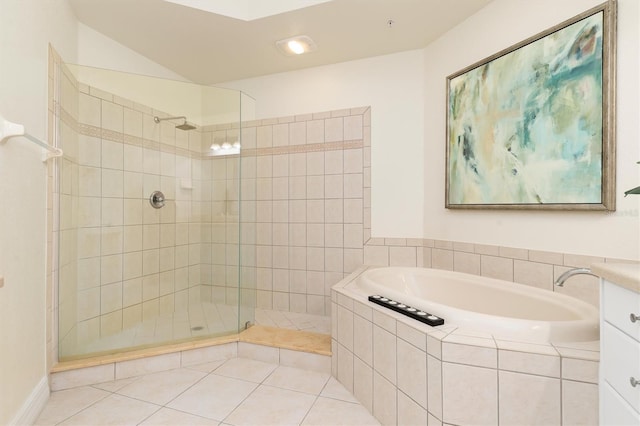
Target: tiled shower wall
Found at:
305, 193
122, 261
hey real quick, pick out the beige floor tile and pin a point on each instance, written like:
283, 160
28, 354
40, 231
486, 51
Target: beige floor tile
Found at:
153, 387
298, 380
115, 385
245, 369
327, 411
214, 397
335, 390
169, 417
113, 410
207, 367
272, 406
66, 403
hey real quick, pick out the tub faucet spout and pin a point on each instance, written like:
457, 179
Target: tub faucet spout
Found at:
571, 272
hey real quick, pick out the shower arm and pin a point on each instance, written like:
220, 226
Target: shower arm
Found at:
158, 119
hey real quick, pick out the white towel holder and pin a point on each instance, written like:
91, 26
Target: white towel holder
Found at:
10, 130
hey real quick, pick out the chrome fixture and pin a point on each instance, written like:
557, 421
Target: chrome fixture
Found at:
634, 317
634, 382
156, 199
183, 126
571, 272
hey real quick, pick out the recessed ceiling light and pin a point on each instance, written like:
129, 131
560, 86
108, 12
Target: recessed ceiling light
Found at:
296, 45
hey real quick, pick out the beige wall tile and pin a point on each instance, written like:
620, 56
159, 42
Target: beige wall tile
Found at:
412, 380
497, 267
534, 274
402, 256
384, 400
363, 383
579, 403
410, 413
434, 386
466, 262
526, 399
384, 353
469, 394
442, 259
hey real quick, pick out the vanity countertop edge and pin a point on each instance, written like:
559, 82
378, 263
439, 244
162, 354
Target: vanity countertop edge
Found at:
625, 275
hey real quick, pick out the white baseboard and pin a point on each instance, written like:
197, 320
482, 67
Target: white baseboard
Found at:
33, 405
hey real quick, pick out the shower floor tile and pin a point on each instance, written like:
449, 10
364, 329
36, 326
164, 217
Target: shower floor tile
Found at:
277, 396
203, 319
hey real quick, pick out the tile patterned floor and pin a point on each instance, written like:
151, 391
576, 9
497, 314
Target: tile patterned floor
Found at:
237, 391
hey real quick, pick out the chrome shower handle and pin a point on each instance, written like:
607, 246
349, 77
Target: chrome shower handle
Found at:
634, 382
634, 317
156, 199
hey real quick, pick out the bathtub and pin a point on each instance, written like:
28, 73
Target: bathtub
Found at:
504, 309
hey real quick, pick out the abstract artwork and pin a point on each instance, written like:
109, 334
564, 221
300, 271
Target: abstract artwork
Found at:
532, 126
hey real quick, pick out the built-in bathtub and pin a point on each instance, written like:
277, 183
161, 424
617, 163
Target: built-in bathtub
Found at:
506, 354
506, 310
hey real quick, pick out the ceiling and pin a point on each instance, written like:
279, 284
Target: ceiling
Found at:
210, 48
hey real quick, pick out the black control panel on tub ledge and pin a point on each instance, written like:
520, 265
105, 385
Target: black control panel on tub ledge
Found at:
407, 310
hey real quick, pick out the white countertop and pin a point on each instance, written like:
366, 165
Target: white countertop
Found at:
625, 275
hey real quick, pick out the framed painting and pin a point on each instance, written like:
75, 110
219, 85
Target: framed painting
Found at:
533, 126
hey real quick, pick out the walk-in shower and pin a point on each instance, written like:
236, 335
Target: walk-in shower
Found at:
149, 233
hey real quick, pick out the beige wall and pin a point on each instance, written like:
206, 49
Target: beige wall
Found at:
26, 29
392, 85
602, 234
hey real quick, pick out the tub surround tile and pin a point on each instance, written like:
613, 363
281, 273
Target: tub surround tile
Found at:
410, 413
530, 363
345, 367
469, 394
578, 354
384, 354
384, 320
433, 421
580, 370
412, 373
434, 386
412, 335
363, 383
384, 400
363, 339
579, 403
469, 355
530, 400
468, 373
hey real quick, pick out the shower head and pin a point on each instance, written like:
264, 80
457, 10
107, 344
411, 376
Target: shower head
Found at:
183, 126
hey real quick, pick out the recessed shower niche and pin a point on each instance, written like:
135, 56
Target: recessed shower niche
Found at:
149, 247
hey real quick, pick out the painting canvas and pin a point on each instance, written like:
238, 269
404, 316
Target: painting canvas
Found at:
528, 128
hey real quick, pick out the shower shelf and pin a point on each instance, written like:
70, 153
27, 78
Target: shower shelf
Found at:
10, 130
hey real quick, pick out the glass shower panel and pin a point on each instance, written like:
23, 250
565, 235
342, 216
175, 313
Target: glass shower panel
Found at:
149, 218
